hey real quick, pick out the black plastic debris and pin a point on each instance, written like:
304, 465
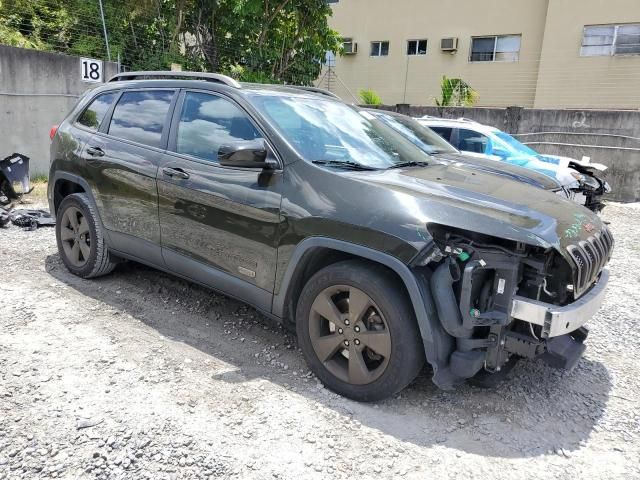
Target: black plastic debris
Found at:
4, 218
26, 218
14, 170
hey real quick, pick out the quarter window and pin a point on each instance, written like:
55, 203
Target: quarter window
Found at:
141, 116
499, 48
379, 49
94, 114
208, 122
444, 132
416, 47
606, 40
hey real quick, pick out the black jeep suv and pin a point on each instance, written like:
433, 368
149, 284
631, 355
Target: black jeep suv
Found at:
325, 218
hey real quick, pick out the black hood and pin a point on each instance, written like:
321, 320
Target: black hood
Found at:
461, 196
504, 169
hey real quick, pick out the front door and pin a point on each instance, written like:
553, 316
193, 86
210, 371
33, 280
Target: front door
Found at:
219, 225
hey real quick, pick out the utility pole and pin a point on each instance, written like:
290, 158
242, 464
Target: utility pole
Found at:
104, 27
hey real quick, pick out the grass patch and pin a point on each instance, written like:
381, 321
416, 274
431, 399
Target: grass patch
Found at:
39, 178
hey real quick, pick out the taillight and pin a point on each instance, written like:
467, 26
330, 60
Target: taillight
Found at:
52, 132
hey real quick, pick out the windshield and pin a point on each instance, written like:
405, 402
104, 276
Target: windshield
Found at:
421, 136
514, 145
326, 130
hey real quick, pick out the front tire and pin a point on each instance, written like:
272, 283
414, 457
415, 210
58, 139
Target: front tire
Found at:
80, 238
358, 332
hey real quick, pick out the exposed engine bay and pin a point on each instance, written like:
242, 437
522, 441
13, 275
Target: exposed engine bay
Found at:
501, 300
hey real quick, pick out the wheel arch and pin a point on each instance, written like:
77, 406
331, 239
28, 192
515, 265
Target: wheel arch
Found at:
306, 260
64, 184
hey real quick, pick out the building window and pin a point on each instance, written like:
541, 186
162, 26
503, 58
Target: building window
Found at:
379, 49
416, 47
499, 48
610, 40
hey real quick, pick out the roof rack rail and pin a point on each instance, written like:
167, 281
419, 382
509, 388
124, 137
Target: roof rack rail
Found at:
320, 91
209, 77
463, 119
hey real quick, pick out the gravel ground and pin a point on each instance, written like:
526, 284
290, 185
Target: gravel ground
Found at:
141, 375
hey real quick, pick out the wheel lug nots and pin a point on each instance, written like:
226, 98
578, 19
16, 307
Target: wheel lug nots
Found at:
346, 322
346, 343
356, 341
356, 329
340, 331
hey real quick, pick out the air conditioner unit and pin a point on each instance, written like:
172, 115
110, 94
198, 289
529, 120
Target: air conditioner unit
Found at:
350, 47
449, 44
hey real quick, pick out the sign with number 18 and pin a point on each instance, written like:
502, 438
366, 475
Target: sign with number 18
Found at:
91, 70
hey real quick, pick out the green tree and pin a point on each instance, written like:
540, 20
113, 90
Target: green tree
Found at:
273, 40
455, 92
257, 40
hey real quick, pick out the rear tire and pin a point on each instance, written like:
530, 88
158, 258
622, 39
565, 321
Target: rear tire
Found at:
80, 238
358, 332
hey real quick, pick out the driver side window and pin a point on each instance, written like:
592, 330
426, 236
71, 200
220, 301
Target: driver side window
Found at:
207, 122
470, 141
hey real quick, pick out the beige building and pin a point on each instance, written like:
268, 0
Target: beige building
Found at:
533, 53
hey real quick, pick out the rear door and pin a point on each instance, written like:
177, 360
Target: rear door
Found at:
219, 225
122, 160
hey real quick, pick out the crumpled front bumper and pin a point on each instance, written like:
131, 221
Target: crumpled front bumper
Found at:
15, 168
555, 320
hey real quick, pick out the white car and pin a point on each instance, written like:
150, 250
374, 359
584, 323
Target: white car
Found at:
576, 176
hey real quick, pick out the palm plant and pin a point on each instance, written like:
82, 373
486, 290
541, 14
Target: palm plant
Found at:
456, 93
369, 97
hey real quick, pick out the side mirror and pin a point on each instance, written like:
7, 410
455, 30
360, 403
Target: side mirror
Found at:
498, 152
246, 154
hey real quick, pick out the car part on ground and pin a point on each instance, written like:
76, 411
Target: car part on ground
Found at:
580, 178
5, 219
28, 219
299, 205
14, 172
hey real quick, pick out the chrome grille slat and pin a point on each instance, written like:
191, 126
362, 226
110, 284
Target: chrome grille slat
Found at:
590, 256
602, 250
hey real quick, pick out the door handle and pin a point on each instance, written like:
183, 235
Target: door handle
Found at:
95, 151
175, 172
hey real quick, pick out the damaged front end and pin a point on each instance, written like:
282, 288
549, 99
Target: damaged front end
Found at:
14, 177
590, 189
499, 300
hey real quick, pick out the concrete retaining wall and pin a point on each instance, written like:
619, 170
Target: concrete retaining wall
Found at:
37, 90
611, 137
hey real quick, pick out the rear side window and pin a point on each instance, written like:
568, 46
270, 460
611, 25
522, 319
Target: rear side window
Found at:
94, 114
141, 116
207, 122
444, 132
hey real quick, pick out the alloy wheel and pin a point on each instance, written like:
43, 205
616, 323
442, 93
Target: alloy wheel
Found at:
349, 334
75, 236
